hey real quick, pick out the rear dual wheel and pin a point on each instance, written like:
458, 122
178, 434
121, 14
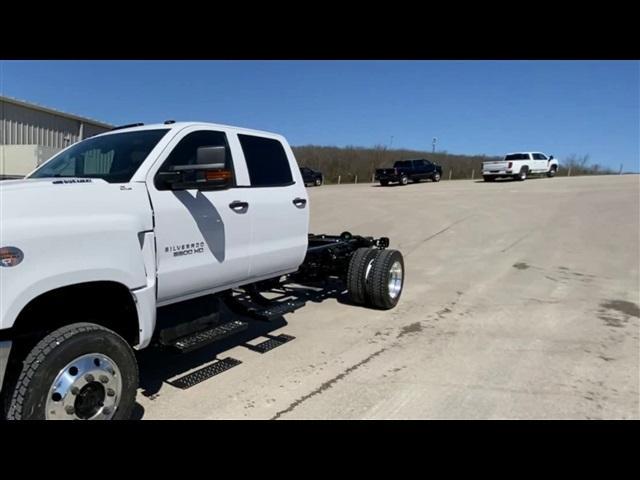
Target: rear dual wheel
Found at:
375, 277
522, 176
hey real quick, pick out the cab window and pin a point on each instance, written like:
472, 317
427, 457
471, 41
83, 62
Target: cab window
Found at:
267, 161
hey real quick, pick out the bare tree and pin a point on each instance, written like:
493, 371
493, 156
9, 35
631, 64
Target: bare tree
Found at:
351, 161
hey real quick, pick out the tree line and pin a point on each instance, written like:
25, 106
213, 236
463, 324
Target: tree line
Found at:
349, 162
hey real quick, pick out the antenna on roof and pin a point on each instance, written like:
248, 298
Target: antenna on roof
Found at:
128, 126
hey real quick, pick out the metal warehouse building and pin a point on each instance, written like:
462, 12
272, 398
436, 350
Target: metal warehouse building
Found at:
31, 134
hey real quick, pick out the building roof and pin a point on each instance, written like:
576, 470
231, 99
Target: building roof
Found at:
35, 106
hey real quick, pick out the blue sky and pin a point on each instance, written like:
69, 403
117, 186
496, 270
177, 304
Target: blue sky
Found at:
472, 107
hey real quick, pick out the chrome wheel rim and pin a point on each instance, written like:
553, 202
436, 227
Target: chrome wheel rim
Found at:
437, 177
87, 388
395, 280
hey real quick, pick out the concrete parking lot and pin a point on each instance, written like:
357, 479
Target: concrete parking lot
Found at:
521, 302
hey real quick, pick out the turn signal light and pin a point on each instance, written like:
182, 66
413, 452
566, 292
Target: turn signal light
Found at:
218, 175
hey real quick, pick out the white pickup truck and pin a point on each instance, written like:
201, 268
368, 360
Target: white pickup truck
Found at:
519, 166
134, 237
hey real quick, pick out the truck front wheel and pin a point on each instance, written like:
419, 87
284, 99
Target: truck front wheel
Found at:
404, 180
385, 280
552, 172
436, 177
79, 372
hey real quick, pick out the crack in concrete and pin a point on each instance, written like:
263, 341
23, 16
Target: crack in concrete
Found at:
436, 234
328, 384
516, 242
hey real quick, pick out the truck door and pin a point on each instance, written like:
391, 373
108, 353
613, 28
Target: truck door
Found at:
202, 237
279, 206
428, 169
417, 169
544, 163
539, 162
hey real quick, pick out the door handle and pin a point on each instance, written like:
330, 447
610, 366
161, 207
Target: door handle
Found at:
238, 206
300, 202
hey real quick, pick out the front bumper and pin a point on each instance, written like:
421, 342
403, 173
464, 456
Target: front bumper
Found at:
5, 349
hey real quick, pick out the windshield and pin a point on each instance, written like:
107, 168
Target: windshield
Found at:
113, 158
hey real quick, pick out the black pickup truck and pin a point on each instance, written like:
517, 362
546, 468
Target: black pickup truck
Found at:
405, 170
311, 177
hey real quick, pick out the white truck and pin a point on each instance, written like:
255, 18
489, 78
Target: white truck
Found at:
106, 237
519, 166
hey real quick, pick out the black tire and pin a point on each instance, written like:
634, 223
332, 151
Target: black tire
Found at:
318, 182
522, 176
384, 183
55, 352
404, 180
378, 292
435, 177
552, 173
357, 273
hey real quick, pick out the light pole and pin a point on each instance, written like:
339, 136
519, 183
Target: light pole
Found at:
391, 143
434, 144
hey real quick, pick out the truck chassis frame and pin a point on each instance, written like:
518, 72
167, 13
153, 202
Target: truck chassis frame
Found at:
329, 255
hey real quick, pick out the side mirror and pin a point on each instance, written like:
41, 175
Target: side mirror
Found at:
211, 156
208, 173
551, 157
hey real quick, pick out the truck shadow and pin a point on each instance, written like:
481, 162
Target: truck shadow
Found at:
158, 365
510, 180
207, 219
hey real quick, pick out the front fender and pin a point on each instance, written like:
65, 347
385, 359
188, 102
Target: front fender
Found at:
67, 256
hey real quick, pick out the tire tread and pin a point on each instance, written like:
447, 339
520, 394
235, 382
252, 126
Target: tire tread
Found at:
356, 281
38, 354
377, 286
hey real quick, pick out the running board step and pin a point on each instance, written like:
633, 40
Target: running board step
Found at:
204, 373
210, 335
276, 310
270, 344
